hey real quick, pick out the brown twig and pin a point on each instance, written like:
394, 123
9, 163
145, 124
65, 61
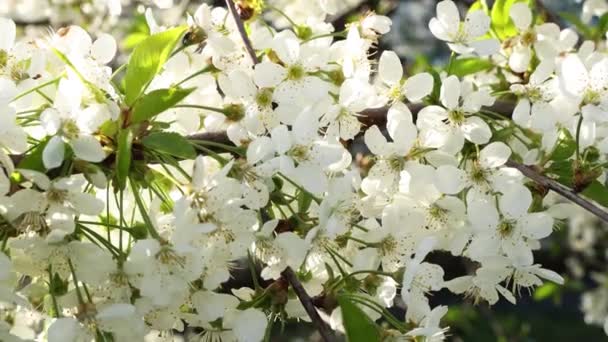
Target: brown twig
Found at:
562, 190
307, 303
241, 27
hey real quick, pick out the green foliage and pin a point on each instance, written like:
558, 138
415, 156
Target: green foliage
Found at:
581, 27
466, 66
123, 157
546, 291
359, 327
480, 5
597, 192
156, 102
502, 24
138, 32
33, 159
170, 143
565, 147
147, 60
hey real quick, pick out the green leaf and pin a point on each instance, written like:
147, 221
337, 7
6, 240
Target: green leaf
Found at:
123, 157
502, 23
304, 201
565, 147
359, 327
147, 59
545, 291
597, 192
573, 19
480, 5
602, 27
170, 143
466, 66
156, 102
33, 159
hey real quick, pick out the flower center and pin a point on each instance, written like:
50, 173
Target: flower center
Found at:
299, 153
264, 98
295, 72
591, 97
69, 129
234, 112
456, 117
528, 38
56, 195
506, 227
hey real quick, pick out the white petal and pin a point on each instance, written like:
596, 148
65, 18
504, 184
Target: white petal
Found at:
450, 92
375, 141
8, 90
515, 201
259, 149
521, 15
418, 86
476, 130
449, 179
537, 225
88, 148
476, 24
448, 15
521, 113
520, 59
9, 31
104, 48
574, 77
267, 74
494, 155
250, 325
389, 68
52, 156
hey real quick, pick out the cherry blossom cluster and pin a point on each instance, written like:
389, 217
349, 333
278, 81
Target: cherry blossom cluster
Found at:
130, 196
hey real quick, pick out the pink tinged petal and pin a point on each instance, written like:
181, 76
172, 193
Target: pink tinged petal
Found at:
450, 92
476, 130
418, 86
52, 155
476, 24
88, 148
267, 74
537, 225
515, 201
389, 68
450, 179
104, 48
494, 155
522, 15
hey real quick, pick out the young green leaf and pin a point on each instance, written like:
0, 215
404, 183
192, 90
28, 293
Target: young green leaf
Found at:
502, 23
170, 143
466, 66
565, 147
123, 157
156, 102
359, 327
147, 60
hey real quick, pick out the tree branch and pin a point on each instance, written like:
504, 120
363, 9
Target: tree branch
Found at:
317, 321
564, 191
241, 27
